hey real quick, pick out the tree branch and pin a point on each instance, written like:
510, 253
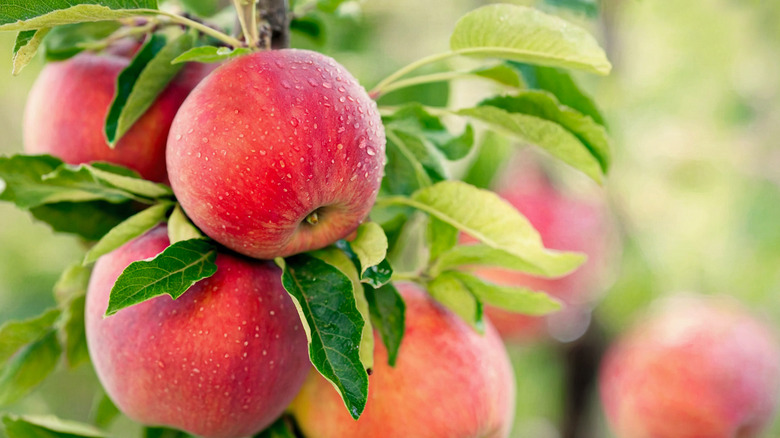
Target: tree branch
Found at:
275, 22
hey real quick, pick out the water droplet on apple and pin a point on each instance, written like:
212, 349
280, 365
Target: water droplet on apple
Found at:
327, 85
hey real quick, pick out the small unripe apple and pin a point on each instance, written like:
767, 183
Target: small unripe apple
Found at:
223, 360
67, 107
694, 368
276, 153
566, 222
448, 381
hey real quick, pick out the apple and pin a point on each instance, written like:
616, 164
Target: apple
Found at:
276, 153
565, 222
448, 381
67, 107
693, 368
223, 360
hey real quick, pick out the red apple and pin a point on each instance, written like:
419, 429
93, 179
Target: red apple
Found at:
566, 222
449, 381
67, 108
223, 360
276, 153
694, 368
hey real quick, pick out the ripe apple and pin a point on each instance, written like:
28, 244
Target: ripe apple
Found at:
276, 153
449, 381
566, 222
68, 104
223, 360
694, 368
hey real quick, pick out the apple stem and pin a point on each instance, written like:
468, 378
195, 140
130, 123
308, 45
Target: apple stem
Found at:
380, 88
245, 9
418, 80
313, 218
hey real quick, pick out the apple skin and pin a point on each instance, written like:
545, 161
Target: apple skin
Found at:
224, 360
565, 222
67, 107
268, 139
449, 381
694, 368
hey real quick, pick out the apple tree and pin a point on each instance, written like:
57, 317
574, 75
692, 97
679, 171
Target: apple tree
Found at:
250, 211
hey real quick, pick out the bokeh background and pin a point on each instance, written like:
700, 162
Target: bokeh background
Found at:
693, 105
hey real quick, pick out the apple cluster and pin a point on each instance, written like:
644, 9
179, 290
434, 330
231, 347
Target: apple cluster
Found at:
269, 154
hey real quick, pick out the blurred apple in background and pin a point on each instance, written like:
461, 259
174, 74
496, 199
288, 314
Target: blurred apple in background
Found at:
567, 221
695, 367
449, 381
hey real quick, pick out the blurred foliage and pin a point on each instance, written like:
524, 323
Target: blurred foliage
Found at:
692, 104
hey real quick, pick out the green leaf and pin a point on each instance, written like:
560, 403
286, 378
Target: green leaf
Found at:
554, 264
413, 120
72, 331
34, 180
341, 261
485, 216
409, 255
29, 426
548, 135
66, 41
514, 299
501, 73
455, 296
524, 34
377, 275
370, 245
20, 173
422, 150
404, 171
27, 43
171, 272
128, 230
139, 84
562, 85
323, 296
309, 26
128, 180
29, 367
104, 411
90, 220
210, 54
441, 237
15, 335
388, 315
72, 283
492, 155
587, 7
545, 106
181, 228
27, 15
